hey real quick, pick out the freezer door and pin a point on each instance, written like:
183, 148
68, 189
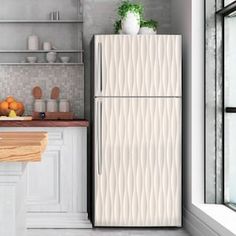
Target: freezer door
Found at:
143, 65
137, 165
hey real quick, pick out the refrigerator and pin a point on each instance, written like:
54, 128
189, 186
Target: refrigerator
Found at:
137, 161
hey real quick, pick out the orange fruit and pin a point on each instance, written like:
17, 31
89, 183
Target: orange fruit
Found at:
13, 105
4, 105
20, 105
10, 99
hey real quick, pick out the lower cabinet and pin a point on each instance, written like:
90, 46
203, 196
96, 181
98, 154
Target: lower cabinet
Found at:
57, 186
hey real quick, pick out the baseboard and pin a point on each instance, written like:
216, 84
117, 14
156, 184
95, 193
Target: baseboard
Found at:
58, 221
195, 226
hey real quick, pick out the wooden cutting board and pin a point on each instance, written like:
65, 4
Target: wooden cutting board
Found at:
2, 118
54, 116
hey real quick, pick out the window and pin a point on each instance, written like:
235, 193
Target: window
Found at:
227, 2
221, 103
229, 34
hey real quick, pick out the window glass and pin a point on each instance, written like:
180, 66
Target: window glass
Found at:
230, 101
227, 2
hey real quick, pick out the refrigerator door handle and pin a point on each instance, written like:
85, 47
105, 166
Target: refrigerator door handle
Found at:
100, 67
99, 136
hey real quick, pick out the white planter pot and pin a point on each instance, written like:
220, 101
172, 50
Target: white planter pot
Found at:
146, 30
131, 24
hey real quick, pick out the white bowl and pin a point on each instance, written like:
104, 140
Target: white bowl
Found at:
65, 59
32, 59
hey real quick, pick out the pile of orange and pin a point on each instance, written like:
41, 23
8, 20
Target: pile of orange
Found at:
10, 103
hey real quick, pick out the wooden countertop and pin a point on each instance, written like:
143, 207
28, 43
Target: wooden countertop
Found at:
22, 146
45, 123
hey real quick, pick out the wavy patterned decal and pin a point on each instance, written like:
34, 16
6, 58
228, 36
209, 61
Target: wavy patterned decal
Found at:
143, 65
140, 183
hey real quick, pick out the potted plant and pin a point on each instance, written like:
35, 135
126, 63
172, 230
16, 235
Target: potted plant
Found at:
117, 27
131, 15
148, 27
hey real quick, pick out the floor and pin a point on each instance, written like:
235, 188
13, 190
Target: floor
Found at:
108, 232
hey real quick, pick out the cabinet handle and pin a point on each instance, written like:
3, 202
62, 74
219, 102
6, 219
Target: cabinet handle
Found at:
100, 67
99, 137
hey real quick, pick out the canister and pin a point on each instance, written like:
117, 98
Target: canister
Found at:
64, 105
52, 105
39, 105
33, 42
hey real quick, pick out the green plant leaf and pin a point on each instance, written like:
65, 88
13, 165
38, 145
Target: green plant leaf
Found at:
126, 7
117, 26
149, 24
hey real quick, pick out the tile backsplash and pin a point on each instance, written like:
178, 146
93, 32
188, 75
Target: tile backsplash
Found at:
19, 81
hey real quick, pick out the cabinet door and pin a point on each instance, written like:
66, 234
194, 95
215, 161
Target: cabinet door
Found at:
49, 183
143, 65
57, 186
138, 162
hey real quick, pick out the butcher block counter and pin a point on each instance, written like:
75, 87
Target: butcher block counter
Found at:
22, 146
45, 123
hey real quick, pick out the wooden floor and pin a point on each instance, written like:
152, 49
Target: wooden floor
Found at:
108, 232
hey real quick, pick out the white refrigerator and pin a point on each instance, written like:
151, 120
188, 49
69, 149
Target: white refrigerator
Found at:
137, 131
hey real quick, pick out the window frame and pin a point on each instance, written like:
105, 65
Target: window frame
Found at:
215, 13
213, 103
227, 11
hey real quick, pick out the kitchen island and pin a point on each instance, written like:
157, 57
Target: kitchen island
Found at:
16, 150
56, 186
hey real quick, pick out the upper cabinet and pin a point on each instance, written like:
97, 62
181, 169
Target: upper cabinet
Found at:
142, 65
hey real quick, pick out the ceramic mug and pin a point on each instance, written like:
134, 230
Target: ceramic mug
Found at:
47, 46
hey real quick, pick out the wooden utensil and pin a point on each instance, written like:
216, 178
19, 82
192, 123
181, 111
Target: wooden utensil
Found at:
55, 93
37, 92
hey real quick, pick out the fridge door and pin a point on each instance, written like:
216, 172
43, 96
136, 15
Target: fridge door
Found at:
141, 65
137, 165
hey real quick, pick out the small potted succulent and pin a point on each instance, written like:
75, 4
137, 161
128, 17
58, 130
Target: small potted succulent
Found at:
131, 15
148, 27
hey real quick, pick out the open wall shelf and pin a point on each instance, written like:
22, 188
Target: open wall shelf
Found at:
40, 21
41, 51
64, 34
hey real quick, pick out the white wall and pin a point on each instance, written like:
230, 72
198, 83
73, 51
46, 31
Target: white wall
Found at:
199, 219
188, 20
181, 23
185, 22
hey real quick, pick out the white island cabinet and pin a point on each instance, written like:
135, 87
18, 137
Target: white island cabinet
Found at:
57, 186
